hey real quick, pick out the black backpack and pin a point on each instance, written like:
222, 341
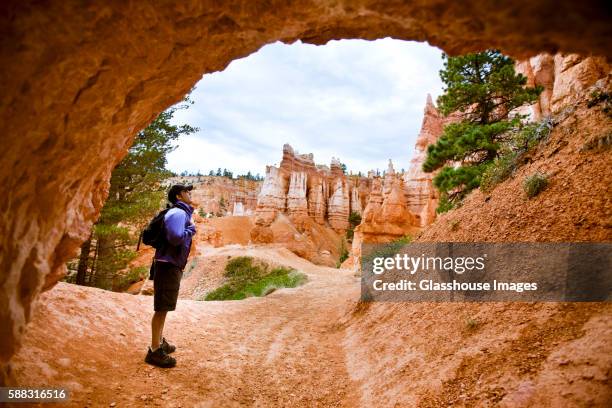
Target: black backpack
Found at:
154, 234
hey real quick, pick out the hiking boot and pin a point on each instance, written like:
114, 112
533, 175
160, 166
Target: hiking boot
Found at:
167, 347
159, 358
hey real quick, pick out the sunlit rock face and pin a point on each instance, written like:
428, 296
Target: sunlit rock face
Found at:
421, 196
296, 197
272, 197
338, 207
80, 79
387, 215
222, 195
317, 202
565, 78
299, 187
355, 201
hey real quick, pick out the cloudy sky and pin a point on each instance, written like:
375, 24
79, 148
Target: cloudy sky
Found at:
360, 101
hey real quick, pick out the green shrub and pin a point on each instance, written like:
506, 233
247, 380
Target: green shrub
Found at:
354, 221
529, 136
534, 184
133, 275
471, 323
406, 239
514, 149
601, 97
350, 234
241, 266
344, 253
246, 279
387, 250
498, 171
445, 204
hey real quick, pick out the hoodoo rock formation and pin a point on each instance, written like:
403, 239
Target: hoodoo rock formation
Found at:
80, 79
387, 215
396, 203
271, 198
421, 195
299, 188
339, 205
401, 204
296, 197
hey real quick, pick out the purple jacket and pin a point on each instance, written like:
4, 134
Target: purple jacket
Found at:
179, 230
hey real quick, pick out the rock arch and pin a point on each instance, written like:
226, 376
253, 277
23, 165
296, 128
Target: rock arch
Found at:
79, 79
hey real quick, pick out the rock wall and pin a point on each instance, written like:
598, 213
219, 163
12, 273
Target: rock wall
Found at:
80, 79
338, 206
387, 215
565, 79
299, 187
296, 197
239, 195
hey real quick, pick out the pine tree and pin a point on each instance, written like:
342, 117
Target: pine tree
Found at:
134, 196
482, 89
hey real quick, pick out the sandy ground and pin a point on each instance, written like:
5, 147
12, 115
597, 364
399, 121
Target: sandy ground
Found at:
282, 350
315, 345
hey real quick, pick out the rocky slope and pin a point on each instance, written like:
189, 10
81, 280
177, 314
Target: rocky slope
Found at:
506, 354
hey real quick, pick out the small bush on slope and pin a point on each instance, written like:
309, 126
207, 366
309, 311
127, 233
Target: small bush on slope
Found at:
534, 184
246, 279
513, 152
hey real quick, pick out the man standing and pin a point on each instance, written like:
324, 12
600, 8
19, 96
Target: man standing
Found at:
169, 262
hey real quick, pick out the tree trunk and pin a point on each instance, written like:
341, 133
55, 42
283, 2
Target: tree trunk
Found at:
139, 241
92, 274
83, 261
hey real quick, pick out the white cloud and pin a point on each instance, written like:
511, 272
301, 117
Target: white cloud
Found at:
357, 100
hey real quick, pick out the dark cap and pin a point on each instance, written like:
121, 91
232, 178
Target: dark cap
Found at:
177, 189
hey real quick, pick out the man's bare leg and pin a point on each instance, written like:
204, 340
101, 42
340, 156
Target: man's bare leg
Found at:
157, 328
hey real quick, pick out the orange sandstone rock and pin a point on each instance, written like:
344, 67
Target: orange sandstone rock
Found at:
80, 79
565, 79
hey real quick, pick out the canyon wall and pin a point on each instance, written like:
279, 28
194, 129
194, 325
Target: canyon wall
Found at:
221, 195
299, 187
565, 79
309, 195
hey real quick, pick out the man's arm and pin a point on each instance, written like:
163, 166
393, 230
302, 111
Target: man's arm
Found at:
176, 232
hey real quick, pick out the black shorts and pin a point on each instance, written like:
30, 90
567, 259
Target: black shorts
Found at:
166, 284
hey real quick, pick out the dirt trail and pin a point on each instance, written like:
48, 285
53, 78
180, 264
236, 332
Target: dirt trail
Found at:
282, 350
315, 346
